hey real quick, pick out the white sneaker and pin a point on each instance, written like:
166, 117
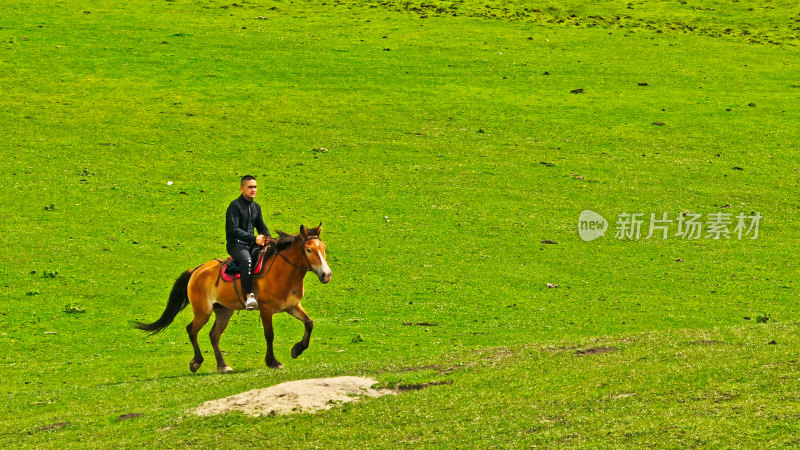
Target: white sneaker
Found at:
251, 303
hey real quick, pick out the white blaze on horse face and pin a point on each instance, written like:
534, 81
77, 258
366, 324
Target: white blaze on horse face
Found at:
322, 270
323, 263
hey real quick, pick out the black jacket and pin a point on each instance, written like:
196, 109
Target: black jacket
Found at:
242, 215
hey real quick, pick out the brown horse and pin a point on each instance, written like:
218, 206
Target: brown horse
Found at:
278, 288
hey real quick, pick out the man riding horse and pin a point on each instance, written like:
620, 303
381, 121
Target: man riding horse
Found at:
242, 216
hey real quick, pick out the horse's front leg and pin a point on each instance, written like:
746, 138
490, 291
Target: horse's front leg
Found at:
301, 315
269, 334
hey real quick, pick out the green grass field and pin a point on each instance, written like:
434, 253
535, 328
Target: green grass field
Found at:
455, 146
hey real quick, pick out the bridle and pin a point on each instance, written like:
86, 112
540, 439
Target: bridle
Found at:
309, 267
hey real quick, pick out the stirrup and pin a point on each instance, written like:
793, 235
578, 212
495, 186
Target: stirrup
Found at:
251, 303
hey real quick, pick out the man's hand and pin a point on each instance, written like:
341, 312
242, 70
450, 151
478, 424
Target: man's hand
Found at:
261, 239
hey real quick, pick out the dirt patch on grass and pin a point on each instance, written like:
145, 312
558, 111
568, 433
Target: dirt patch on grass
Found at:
559, 349
704, 342
421, 386
54, 426
595, 350
440, 369
295, 396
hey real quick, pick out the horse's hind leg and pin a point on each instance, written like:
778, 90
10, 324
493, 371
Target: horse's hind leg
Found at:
201, 316
300, 314
223, 316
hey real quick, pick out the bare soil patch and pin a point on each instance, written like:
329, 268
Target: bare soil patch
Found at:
421, 386
296, 396
705, 342
54, 426
595, 350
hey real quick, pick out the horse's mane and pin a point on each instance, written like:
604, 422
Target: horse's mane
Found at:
284, 240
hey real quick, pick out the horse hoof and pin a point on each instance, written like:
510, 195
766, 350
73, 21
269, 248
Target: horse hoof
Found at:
275, 365
297, 350
226, 369
193, 366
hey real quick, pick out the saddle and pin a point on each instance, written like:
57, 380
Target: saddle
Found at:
230, 269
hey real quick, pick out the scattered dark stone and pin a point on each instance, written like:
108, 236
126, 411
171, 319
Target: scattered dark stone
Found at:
407, 323
530, 38
427, 324
595, 350
679, 260
548, 241
420, 386
576, 91
772, 343
727, 109
752, 105
548, 164
737, 168
547, 73
747, 318
183, 192
643, 84
387, 49
480, 130
661, 124
134, 242
129, 416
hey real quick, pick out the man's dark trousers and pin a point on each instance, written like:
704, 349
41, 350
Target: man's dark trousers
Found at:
241, 255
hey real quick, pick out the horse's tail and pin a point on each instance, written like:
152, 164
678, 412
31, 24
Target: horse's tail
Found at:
178, 299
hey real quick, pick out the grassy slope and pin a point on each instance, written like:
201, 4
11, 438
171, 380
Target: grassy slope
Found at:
443, 134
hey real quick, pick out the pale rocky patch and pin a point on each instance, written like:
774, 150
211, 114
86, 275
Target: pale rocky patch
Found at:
295, 396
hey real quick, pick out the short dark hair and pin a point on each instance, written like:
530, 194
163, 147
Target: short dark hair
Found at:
247, 178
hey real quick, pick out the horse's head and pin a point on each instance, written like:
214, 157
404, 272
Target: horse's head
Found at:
314, 250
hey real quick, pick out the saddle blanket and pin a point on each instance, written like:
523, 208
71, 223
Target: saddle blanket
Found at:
230, 269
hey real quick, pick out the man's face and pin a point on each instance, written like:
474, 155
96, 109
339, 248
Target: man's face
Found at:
249, 189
